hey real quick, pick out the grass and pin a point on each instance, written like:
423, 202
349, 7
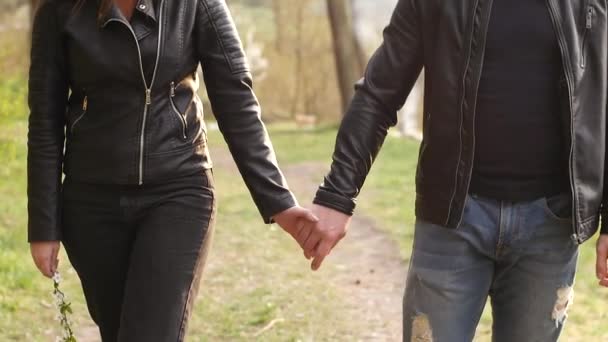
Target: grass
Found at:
255, 274
388, 197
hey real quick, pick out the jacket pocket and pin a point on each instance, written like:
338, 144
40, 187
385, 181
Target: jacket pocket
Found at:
85, 103
586, 31
181, 117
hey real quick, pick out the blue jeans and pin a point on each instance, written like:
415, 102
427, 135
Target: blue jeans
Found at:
519, 254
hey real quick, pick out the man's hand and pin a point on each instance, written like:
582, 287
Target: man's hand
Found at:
45, 255
601, 267
330, 229
298, 222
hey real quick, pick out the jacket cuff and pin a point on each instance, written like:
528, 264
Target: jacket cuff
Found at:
604, 223
37, 234
334, 201
283, 203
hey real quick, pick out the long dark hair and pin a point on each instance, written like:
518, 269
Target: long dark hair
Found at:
104, 7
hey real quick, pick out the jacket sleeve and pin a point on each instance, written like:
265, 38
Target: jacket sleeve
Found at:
236, 108
604, 205
388, 80
47, 100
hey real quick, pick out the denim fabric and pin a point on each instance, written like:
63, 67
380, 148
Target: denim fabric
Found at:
521, 255
139, 252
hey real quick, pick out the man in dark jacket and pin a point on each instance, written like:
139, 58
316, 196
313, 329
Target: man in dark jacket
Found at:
511, 174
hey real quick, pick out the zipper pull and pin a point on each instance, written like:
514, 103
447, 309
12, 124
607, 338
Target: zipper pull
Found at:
148, 96
589, 22
172, 89
85, 103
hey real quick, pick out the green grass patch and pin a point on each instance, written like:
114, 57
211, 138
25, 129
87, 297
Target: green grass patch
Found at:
256, 274
388, 196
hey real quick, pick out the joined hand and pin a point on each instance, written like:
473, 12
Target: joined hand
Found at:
317, 231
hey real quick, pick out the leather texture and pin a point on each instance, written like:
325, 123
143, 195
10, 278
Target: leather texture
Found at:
114, 101
446, 39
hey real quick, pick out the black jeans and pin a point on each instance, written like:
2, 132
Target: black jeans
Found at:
139, 252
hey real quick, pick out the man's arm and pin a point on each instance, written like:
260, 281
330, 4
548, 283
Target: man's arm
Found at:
602, 242
389, 78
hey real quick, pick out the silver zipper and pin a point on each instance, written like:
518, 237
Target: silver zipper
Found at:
182, 118
567, 73
148, 91
588, 26
85, 104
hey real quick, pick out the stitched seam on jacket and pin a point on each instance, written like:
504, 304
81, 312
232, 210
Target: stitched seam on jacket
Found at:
217, 34
177, 150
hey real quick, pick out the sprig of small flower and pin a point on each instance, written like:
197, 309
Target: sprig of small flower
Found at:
64, 309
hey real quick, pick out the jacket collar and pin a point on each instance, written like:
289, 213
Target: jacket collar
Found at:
146, 7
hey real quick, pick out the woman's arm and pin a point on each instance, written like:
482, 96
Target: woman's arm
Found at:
48, 92
236, 108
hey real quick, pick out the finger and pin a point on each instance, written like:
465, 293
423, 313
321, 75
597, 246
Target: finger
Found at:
55, 259
601, 262
604, 282
322, 251
44, 265
303, 235
39, 264
295, 231
307, 255
38, 261
313, 240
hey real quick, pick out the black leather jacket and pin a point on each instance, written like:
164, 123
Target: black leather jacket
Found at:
447, 39
123, 98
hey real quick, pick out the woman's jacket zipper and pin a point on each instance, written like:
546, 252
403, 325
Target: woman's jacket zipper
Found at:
148, 89
182, 118
588, 27
85, 104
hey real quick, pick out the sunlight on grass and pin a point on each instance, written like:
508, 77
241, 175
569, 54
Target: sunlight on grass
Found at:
256, 275
388, 197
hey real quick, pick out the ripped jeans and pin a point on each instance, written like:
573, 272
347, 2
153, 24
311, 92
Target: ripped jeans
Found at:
519, 254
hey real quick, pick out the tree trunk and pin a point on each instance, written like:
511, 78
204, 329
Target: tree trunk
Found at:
277, 10
33, 7
359, 46
348, 65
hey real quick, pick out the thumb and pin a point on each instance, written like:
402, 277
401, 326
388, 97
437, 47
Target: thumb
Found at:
308, 215
55, 259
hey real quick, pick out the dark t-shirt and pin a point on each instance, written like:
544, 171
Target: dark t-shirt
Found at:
520, 149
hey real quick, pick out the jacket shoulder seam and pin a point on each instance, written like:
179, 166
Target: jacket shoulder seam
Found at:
207, 10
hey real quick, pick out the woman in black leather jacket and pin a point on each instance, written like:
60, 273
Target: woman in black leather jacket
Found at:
114, 106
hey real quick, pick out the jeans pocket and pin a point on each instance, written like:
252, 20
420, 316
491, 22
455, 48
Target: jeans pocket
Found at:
558, 207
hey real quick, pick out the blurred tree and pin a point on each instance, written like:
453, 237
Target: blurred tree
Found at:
277, 6
347, 51
33, 7
362, 56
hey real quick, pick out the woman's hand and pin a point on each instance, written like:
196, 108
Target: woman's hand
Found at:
602, 260
298, 222
45, 255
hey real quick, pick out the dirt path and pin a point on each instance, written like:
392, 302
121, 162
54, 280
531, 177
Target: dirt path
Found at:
371, 273
367, 267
